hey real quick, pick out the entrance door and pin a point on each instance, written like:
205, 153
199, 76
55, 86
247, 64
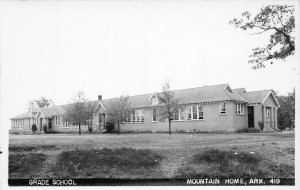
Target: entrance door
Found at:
41, 124
101, 120
250, 116
50, 123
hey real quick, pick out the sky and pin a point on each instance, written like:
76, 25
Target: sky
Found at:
110, 48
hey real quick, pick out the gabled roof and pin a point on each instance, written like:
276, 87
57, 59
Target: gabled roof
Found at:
204, 94
186, 96
21, 116
257, 97
239, 90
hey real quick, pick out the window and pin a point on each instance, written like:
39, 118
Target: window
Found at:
100, 118
86, 124
139, 116
154, 115
22, 122
194, 110
127, 117
188, 113
176, 115
223, 108
57, 120
200, 112
268, 112
154, 100
181, 114
240, 109
66, 125
133, 116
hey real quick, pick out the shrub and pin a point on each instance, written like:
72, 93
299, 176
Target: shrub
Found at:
261, 125
109, 127
90, 129
45, 128
281, 127
33, 127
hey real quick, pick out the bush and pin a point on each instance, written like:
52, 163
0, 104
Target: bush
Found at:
33, 127
90, 129
261, 125
109, 127
45, 128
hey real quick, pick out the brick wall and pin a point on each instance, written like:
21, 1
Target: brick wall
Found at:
213, 121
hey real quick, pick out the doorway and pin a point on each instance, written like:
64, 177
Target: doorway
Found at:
41, 124
50, 123
250, 117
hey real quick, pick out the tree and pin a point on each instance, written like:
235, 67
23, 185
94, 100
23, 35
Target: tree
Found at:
169, 105
117, 109
78, 112
286, 112
89, 111
278, 19
42, 102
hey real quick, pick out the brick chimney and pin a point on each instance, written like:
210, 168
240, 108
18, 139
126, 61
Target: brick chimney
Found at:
99, 97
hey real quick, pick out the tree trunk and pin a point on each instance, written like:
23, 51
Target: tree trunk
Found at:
169, 126
118, 128
79, 129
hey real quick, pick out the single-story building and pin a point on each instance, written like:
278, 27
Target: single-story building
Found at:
207, 108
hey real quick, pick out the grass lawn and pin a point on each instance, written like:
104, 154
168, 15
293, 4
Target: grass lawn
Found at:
152, 155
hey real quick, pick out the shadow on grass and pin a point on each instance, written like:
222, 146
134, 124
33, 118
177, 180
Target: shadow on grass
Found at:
29, 148
106, 163
216, 163
25, 165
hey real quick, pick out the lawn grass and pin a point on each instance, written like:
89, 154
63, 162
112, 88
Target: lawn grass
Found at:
215, 163
87, 156
25, 165
104, 163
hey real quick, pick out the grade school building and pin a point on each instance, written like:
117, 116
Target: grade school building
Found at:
207, 108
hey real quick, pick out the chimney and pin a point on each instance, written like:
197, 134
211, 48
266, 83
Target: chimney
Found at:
99, 97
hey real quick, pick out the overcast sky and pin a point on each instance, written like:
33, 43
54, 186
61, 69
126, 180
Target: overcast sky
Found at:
54, 48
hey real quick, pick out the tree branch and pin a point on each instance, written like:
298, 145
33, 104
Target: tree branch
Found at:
280, 20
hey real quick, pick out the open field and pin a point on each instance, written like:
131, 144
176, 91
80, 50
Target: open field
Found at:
174, 156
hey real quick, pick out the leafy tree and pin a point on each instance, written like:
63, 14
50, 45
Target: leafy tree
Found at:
286, 112
42, 102
278, 19
117, 109
169, 105
79, 111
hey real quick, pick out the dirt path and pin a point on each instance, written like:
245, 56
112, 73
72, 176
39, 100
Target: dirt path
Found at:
170, 164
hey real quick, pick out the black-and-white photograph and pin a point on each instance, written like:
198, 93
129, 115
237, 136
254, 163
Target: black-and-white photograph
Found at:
148, 92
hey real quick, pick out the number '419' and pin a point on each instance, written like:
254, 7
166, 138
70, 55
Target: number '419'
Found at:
275, 181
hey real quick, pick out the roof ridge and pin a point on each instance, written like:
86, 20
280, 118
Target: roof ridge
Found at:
255, 91
172, 90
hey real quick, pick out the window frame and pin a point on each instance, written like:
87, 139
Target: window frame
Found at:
239, 108
268, 112
154, 114
200, 109
66, 125
221, 112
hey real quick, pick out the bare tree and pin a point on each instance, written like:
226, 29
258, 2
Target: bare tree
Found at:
117, 109
280, 22
168, 104
77, 112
